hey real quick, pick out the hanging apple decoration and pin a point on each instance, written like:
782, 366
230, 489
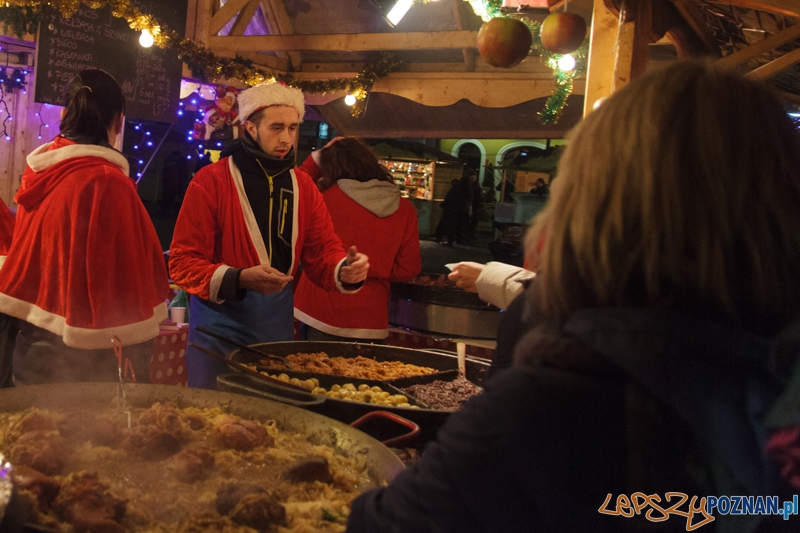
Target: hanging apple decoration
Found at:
504, 42
562, 33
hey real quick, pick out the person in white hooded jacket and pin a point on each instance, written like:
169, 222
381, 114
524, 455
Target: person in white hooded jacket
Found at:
367, 212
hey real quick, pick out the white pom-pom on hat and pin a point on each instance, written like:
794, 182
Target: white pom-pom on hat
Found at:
270, 94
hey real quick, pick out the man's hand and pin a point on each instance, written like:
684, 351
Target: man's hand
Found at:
356, 267
465, 274
263, 279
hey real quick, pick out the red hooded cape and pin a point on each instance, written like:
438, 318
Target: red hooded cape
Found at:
85, 263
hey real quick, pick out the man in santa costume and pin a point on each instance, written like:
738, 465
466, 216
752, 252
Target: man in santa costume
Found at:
246, 225
85, 264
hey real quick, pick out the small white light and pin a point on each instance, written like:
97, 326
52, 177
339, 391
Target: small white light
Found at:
146, 39
566, 63
597, 103
350, 99
399, 11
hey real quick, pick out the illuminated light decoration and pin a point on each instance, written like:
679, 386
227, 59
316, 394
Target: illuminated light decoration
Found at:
350, 100
135, 146
566, 63
141, 161
149, 143
146, 39
399, 11
147, 133
189, 157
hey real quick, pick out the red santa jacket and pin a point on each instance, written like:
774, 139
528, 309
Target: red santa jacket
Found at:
216, 230
85, 262
383, 226
6, 232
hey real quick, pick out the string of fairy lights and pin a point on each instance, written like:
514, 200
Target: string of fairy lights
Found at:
24, 16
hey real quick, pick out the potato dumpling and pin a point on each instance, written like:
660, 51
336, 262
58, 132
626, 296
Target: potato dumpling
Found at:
349, 386
363, 387
316, 382
308, 384
284, 378
336, 388
319, 390
375, 388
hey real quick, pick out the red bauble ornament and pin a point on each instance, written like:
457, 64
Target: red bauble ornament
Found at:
563, 33
504, 42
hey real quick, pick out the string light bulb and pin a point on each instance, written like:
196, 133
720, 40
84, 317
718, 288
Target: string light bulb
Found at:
146, 38
350, 100
566, 63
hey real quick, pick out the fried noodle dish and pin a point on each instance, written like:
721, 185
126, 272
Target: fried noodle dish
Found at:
174, 470
354, 367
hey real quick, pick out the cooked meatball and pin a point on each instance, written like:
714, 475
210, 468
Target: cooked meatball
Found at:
86, 503
311, 468
41, 450
259, 511
45, 488
191, 465
242, 435
229, 496
151, 443
38, 421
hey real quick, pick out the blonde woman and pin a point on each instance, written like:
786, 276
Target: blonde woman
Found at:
668, 272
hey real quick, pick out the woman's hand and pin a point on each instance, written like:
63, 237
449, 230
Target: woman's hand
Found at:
465, 274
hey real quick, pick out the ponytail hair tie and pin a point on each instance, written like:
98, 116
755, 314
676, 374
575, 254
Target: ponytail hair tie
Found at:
86, 87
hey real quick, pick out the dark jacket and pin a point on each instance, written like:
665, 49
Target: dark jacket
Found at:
616, 402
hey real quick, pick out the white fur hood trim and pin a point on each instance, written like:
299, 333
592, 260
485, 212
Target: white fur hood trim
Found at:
42, 159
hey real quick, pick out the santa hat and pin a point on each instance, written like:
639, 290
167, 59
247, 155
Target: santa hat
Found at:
269, 94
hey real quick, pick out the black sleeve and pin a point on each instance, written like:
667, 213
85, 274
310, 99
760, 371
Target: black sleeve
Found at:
229, 288
509, 332
515, 459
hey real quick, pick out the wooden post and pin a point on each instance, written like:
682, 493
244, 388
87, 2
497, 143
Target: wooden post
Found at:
617, 50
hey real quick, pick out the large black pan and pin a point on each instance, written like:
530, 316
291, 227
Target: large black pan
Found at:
429, 420
477, 369
380, 462
431, 294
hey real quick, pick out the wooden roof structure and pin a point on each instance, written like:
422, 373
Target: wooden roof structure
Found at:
323, 39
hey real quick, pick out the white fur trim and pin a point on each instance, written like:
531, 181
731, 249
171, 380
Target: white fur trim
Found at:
84, 338
2, 260
270, 94
42, 159
295, 216
356, 333
249, 217
216, 283
339, 285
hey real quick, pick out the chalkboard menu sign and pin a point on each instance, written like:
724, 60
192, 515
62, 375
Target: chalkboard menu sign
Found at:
92, 38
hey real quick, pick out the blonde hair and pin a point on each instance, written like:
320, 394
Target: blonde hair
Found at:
682, 189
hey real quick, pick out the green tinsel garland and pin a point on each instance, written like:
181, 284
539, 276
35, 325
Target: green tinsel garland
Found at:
24, 16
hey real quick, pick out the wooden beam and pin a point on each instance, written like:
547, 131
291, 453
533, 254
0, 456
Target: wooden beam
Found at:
272, 26
634, 38
775, 66
469, 53
202, 20
224, 15
790, 8
694, 18
602, 51
244, 17
480, 89
281, 22
775, 40
262, 60
531, 65
789, 97
352, 42
191, 19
